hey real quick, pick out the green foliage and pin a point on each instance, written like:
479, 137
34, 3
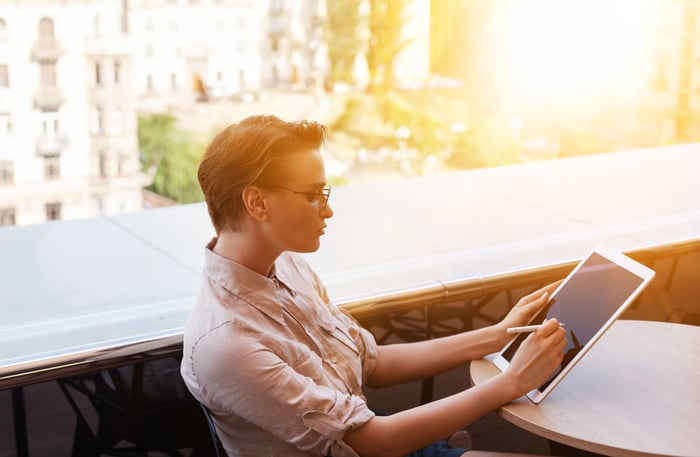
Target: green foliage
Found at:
386, 20
171, 156
488, 142
372, 120
363, 120
154, 134
344, 37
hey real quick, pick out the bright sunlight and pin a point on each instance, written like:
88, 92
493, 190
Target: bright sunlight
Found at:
569, 52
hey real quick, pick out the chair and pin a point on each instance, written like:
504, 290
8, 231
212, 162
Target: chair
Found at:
140, 409
218, 447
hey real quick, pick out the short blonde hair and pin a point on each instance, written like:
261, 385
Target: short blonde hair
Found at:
245, 154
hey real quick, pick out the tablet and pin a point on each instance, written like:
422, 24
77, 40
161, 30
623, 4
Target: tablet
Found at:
587, 302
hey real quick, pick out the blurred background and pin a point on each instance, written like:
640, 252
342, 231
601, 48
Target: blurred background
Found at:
106, 105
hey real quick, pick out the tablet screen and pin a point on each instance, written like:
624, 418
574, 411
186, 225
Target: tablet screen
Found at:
599, 287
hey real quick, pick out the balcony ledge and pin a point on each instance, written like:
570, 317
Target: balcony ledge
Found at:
129, 279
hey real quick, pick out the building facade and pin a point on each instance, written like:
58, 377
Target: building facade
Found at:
223, 48
74, 74
68, 126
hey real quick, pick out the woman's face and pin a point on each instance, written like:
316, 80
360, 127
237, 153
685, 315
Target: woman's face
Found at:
298, 208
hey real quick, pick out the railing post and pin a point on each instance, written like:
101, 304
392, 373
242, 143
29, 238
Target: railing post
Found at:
20, 422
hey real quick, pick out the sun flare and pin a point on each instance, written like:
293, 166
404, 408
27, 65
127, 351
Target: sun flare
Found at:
554, 51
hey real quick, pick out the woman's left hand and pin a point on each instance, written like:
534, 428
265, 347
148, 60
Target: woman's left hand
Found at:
526, 308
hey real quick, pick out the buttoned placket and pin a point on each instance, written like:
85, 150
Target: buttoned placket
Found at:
287, 297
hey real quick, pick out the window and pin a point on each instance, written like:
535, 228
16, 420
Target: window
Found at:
276, 6
3, 30
98, 121
115, 122
7, 217
4, 75
53, 211
49, 122
98, 75
124, 18
5, 124
48, 74
99, 204
7, 174
149, 83
52, 167
121, 162
102, 164
173, 81
117, 70
46, 33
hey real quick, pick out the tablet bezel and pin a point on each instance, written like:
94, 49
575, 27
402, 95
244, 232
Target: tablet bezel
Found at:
634, 267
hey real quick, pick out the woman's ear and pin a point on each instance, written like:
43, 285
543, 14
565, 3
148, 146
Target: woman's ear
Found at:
255, 203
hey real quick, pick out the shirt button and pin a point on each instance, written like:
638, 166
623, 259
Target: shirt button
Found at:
334, 359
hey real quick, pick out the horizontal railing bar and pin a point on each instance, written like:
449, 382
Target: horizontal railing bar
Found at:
444, 291
424, 294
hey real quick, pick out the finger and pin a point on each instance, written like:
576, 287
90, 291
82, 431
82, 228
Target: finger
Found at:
561, 345
537, 302
549, 288
549, 327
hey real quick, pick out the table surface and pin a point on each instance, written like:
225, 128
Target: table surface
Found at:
79, 290
635, 393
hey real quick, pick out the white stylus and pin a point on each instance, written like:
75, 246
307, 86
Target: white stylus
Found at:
527, 328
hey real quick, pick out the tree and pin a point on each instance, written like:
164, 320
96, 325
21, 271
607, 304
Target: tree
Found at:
386, 41
344, 38
154, 134
171, 156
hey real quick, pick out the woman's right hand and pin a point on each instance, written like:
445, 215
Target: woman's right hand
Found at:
537, 357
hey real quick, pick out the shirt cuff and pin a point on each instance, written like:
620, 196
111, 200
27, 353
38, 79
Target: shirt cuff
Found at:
335, 428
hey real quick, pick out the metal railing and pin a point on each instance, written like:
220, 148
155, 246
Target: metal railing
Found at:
472, 294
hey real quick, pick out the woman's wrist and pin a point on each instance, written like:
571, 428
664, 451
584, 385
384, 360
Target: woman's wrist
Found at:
500, 335
512, 388
491, 340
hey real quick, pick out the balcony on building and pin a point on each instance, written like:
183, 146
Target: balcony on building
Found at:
51, 145
114, 45
48, 98
45, 50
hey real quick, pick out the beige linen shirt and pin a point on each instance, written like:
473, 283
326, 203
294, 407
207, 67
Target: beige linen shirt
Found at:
279, 366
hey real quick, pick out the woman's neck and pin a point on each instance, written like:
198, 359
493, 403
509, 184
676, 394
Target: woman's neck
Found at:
246, 250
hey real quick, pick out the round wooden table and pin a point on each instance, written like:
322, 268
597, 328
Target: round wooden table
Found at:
636, 393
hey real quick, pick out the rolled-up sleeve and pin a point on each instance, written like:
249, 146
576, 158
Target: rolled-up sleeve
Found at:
279, 366
278, 392
328, 425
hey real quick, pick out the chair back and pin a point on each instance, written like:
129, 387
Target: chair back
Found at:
218, 447
140, 408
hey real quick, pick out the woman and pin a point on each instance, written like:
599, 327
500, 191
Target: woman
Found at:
280, 368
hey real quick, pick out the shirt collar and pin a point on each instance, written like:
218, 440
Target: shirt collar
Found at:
255, 289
